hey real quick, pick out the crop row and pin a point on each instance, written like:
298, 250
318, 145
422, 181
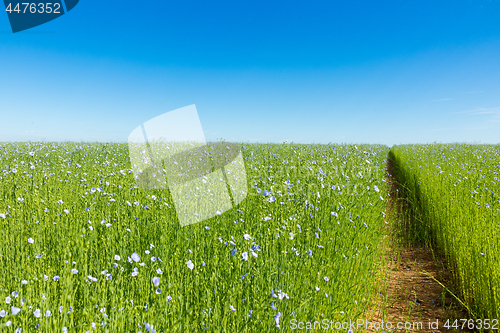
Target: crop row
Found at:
452, 193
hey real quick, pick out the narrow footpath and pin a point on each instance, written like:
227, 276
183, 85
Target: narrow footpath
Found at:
410, 293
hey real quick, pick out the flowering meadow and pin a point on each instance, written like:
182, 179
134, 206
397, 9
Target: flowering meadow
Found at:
453, 192
83, 249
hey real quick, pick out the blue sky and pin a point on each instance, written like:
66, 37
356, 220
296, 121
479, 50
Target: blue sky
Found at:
385, 72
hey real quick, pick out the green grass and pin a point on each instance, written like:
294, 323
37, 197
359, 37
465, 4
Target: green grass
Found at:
79, 204
452, 196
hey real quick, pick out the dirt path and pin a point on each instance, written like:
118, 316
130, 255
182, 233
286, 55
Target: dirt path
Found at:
408, 295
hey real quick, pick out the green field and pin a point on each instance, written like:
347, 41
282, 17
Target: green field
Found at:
452, 192
83, 249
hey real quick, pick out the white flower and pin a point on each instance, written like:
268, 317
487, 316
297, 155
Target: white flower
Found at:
48, 313
7, 300
2, 215
66, 211
117, 257
282, 295
326, 278
30, 240
190, 264
2, 313
135, 273
159, 271
24, 282
376, 188
74, 271
37, 313
232, 308
14, 310
156, 281
135, 257
247, 236
244, 256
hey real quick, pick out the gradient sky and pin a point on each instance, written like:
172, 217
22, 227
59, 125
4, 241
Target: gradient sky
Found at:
385, 72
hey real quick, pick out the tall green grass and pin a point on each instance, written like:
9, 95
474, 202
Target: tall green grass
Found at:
81, 245
452, 195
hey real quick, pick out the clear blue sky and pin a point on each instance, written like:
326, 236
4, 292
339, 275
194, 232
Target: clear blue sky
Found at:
314, 71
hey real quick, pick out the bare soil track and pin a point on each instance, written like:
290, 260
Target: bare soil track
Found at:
408, 295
